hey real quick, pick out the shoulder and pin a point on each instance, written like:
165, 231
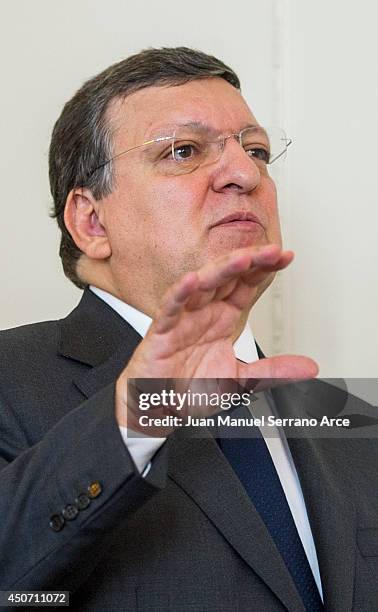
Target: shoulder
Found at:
28, 354
36, 381
28, 341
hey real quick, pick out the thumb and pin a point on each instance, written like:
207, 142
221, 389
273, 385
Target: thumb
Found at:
278, 370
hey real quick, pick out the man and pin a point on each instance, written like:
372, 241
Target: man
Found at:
159, 174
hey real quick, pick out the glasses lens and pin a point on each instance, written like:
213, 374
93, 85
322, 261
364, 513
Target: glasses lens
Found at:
191, 149
264, 145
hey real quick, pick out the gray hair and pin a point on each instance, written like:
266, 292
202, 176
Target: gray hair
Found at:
82, 137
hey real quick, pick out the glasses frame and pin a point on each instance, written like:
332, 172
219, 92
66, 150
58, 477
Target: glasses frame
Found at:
221, 140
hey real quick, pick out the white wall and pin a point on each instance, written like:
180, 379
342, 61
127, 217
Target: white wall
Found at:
332, 224
307, 66
47, 49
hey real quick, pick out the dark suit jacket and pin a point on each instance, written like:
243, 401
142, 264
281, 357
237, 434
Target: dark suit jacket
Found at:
185, 538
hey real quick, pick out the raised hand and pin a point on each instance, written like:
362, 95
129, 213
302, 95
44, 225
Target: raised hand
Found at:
193, 333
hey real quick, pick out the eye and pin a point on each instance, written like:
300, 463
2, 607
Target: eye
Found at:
185, 151
259, 154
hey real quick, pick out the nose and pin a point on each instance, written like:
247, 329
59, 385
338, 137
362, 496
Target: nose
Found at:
235, 169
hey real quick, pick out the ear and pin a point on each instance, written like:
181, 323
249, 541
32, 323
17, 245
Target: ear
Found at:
82, 222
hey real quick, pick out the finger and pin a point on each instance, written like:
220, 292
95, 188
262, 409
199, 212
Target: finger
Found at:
257, 273
217, 279
218, 283
216, 273
268, 264
279, 370
174, 301
272, 255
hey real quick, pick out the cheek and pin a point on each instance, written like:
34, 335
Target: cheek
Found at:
176, 206
149, 219
271, 209
124, 226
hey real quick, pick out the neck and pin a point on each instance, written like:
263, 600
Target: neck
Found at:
240, 326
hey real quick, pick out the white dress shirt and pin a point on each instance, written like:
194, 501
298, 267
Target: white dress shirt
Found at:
144, 447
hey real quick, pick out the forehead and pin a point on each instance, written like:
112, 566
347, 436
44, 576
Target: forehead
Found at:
145, 113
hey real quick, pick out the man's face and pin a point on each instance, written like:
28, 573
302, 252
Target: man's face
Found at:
161, 225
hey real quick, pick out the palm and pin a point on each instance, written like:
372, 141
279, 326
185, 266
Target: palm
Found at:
193, 333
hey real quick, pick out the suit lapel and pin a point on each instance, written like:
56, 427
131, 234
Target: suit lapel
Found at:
320, 465
199, 467
96, 335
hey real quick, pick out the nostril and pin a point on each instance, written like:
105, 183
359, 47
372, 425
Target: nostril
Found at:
232, 186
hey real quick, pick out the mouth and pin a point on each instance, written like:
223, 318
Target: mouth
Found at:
240, 220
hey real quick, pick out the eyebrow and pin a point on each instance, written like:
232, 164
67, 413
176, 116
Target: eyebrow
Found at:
198, 126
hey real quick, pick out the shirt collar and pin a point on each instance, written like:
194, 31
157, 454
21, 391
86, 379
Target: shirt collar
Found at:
244, 346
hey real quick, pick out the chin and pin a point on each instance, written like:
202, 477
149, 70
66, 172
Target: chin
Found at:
238, 242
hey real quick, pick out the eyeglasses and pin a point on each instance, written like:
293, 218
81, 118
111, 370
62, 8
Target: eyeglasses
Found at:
188, 148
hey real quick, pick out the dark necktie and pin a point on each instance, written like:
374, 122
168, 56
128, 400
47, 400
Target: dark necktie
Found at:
251, 460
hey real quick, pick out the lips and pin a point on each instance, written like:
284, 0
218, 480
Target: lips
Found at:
238, 217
